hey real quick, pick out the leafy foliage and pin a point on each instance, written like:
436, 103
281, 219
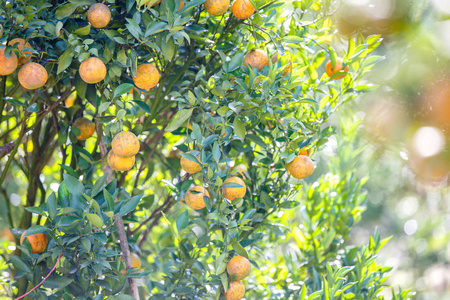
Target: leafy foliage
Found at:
207, 102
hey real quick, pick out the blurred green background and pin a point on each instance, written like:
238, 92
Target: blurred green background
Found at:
403, 129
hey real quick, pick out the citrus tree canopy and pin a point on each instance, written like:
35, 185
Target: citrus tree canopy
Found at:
152, 147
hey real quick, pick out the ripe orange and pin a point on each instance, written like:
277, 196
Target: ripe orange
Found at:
305, 151
256, 58
118, 163
7, 65
217, 7
37, 241
99, 15
301, 167
242, 9
190, 166
147, 77
238, 268
92, 70
125, 144
234, 193
241, 168
86, 127
337, 68
32, 76
195, 201
236, 291
135, 262
20, 45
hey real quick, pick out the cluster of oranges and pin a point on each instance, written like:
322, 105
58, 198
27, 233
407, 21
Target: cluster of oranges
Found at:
125, 145
31, 75
238, 267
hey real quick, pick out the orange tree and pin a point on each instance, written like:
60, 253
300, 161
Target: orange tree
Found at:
171, 131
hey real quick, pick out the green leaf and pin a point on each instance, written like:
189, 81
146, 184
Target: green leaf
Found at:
74, 186
36, 210
123, 89
99, 185
134, 28
14, 101
220, 263
235, 62
83, 30
248, 214
130, 205
51, 204
95, 220
292, 39
109, 200
80, 86
239, 249
179, 118
65, 10
65, 60
19, 264
144, 106
239, 128
168, 48
231, 185
57, 282
35, 230
68, 221
182, 220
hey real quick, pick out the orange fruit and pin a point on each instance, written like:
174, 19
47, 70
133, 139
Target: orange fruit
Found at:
86, 127
32, 76
337, 68
190, 166
305, 151
99, 15
118, 163
301, 167
195, 201
70, 100
242, 9
241, 168
20, 45
125, 144
234, 193
92, 70
217, 7
256, 58
238, 267
236, 291
135, 262
7, 65
37, 241
147, 77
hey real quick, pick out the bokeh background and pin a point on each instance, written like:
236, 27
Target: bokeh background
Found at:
403, 129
